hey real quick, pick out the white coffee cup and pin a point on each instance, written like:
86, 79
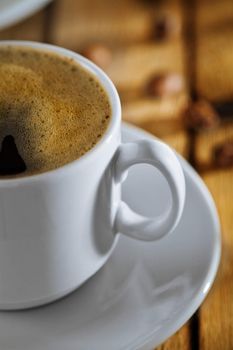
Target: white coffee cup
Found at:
59, 227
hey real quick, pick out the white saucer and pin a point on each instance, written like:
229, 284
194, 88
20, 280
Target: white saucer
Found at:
145, 292
13, 11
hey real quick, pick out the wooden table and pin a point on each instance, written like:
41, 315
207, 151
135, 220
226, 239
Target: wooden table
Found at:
200, 49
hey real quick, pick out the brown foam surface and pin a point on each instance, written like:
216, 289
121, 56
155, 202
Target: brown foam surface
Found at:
55, 110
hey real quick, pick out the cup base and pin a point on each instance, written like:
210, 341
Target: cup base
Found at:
38, 302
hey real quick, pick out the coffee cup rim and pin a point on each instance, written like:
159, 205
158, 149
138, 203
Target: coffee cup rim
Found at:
112, 94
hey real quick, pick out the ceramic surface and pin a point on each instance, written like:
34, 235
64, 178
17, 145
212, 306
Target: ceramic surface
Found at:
59, 227
146, 291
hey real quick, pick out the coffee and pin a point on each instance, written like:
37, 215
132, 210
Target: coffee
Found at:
52, 111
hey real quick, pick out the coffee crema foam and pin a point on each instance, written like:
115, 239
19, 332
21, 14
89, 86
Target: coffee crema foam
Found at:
55, 110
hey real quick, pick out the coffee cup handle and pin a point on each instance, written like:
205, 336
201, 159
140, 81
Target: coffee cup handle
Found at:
159, 155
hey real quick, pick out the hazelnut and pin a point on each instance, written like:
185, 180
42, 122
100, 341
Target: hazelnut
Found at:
201, 115
99, 54
223, 154
165, 84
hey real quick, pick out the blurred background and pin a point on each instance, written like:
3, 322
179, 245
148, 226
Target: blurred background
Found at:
172, 63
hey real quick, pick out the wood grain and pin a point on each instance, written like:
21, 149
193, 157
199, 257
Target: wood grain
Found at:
81, 22
160, 116
30, 29
214, 49
216, 321
213, 15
